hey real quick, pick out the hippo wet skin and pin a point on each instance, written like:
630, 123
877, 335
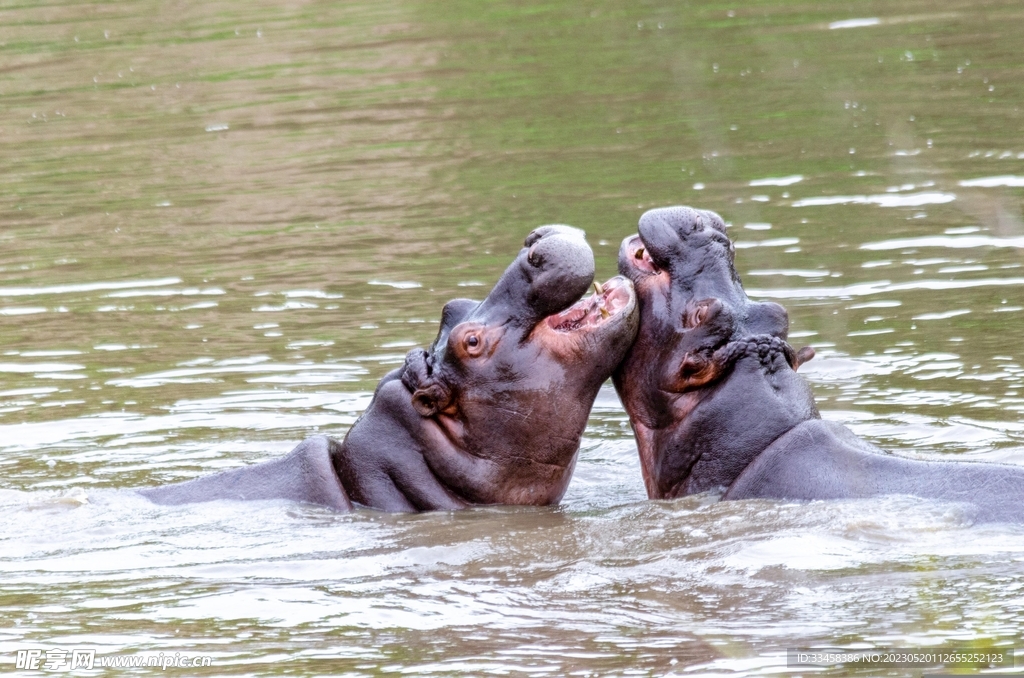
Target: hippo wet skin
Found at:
714, 399
491, 413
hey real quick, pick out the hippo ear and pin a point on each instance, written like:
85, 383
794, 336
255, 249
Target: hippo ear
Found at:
429, 395
695, 371
802, 356
430, 399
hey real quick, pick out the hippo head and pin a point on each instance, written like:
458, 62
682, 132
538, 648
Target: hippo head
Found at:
505, 390
697, 325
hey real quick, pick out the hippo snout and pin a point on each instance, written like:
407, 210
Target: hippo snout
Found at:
553, 270
563, 248
559, 265
670, 233
682, 220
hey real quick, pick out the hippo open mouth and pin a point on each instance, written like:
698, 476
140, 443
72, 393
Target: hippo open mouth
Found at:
608, 300
638, 256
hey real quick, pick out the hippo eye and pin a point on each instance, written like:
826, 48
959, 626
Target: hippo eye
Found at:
473, 344
695, 316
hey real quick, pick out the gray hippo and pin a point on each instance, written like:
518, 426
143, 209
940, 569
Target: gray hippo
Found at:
491, 413
714, 399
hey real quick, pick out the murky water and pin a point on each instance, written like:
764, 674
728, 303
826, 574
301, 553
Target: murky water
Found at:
221, 223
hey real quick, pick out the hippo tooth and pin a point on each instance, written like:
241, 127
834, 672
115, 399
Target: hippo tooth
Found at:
598, 287
604, 313
639, 253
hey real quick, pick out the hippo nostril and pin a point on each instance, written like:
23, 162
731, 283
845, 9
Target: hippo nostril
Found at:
534, 258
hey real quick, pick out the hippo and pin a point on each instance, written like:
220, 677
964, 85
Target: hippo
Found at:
491, 413
715, 401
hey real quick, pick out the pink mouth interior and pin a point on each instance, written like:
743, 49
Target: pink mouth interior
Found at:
591, 311
640, 258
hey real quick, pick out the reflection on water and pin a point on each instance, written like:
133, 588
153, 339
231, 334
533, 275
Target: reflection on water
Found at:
223, 223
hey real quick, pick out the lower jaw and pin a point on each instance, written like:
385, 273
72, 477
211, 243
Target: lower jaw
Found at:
608, 302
